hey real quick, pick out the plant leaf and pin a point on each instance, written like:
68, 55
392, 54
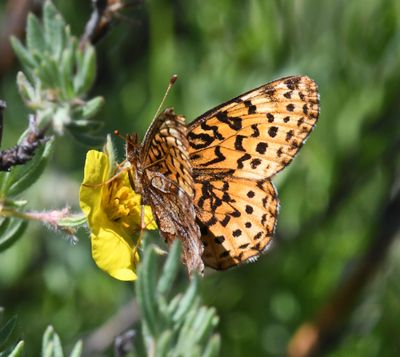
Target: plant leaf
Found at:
23, 54
34, 35
18, 350
77, 350
86, 73
23, 176
213, 347
12, 234
170, 269
6, 330
146, 290
187, 300
54, 27
164, 344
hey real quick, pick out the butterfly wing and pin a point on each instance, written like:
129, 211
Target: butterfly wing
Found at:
168, 185
244, 142
238, 218
176, 217
165, 150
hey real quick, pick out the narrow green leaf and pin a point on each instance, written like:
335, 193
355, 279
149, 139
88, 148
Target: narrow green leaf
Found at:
173, 305
14, 232
47, 73
66, 73
213, 347
163, 345
92, 107
11, 203
48, 350
146, 290
25, 88
55, 71
73, 220
23, 54
204, 323
4, 224
57, 352
26, 175
199, 320
186, 339
18, 350
86, 71
47, 339
163, 309
35, 40
6, 330
77, 350
187, 299
170, 269
54, 26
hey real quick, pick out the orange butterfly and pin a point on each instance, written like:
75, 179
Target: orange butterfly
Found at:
214, 174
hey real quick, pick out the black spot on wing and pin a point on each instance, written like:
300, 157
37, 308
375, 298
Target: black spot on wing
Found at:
234, 123
239, 142
199, 141
240, 161
219, 157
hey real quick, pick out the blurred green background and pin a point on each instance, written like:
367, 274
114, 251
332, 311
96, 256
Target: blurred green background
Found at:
334, 197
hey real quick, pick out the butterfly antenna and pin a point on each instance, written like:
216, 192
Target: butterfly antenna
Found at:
117, 133
170, 84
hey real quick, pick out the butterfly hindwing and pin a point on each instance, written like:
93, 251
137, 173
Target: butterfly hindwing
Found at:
176, 217
237, 218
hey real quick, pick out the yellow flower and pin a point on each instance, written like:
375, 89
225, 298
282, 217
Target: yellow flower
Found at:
113, 212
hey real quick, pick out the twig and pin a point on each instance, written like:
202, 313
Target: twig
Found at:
23, 152
104, 11
314, 338
103, 337
2, 107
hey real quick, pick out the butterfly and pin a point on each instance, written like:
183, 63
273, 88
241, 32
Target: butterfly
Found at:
209, 182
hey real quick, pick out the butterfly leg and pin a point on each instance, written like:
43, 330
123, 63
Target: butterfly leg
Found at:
111, 179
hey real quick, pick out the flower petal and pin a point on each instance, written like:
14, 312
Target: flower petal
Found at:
96, 169
114, 255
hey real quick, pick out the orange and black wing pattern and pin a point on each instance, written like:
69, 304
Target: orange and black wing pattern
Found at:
234, 150
168, 185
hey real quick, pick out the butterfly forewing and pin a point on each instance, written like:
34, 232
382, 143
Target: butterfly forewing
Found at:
241, 144
167, 183
165, 150
258, 132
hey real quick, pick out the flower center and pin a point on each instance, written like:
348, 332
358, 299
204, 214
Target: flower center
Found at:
123, 205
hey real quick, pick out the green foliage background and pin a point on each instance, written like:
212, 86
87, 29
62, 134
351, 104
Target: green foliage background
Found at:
331, 196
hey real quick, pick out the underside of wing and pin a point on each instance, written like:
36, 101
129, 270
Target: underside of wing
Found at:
165, 150
237, 218
176, 217
168, 185
258, 133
